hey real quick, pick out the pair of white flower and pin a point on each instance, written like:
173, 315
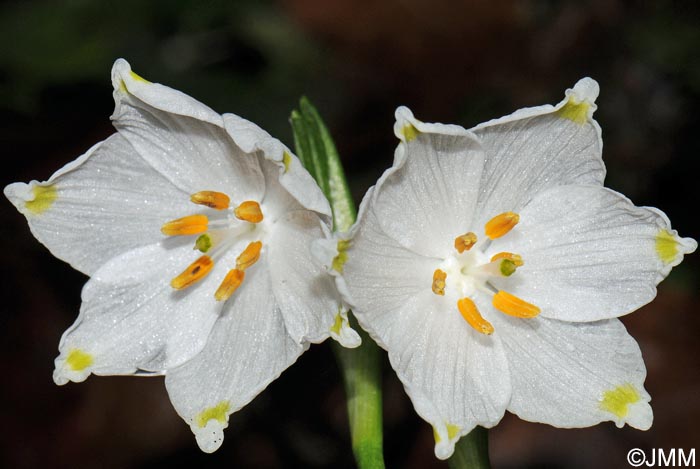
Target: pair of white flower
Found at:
491, 263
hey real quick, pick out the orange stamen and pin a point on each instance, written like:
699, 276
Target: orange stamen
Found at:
249, 211
193, 274
439, 277
193, 224
501, 224
215, 200
514, 306
471, 314
465, 242
249, 256
230, 284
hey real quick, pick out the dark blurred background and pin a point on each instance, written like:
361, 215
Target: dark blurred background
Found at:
357, 60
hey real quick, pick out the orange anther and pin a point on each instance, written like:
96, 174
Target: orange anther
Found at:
229, 285
193, 274
249, 211
215, 200
501, 224
465, 242
471, 314
514, 306
249, 256
439, 277
193, 224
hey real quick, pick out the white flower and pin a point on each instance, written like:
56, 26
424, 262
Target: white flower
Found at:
491, 263
221, 320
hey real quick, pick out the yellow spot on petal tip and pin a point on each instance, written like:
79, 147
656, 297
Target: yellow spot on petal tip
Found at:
249, 211
439, 277
44, 197
575, 111
286, 160
341, 258
190, 225
337, 325
617, 400
471, 314
500, 225
219, 413
138, 77
193, 274
79, 360
211, 199
452, 432
514, 306
249, 256
409, 132
465, 242
666, 246
229, 285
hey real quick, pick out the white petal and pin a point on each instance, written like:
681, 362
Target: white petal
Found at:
536, 148
248, 348
103, 204
131, 319
427, 198
342, 332
567, 374
456, 377
288, 171
305, 293
589, 253
182, 139
379, 274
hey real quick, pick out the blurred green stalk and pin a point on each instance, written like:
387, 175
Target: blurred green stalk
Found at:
361, 366
472, 451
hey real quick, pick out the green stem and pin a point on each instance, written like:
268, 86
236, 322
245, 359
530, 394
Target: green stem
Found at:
361, 366
471, 451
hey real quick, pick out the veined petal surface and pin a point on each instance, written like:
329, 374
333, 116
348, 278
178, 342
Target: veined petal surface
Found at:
589, 253
566, 374
249, 347
103, 204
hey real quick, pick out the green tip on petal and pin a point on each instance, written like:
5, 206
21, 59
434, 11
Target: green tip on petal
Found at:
618, 400
409, 132
342, 257
78, 360
666, 246
219, 413
573, 111
286, 160
44, 197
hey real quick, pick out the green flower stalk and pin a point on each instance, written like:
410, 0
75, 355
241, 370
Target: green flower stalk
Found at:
360, 367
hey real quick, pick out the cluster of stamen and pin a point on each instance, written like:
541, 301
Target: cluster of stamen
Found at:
209, 235
476, 273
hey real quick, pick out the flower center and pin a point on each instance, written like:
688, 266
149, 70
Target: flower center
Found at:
218, 232
469, 270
